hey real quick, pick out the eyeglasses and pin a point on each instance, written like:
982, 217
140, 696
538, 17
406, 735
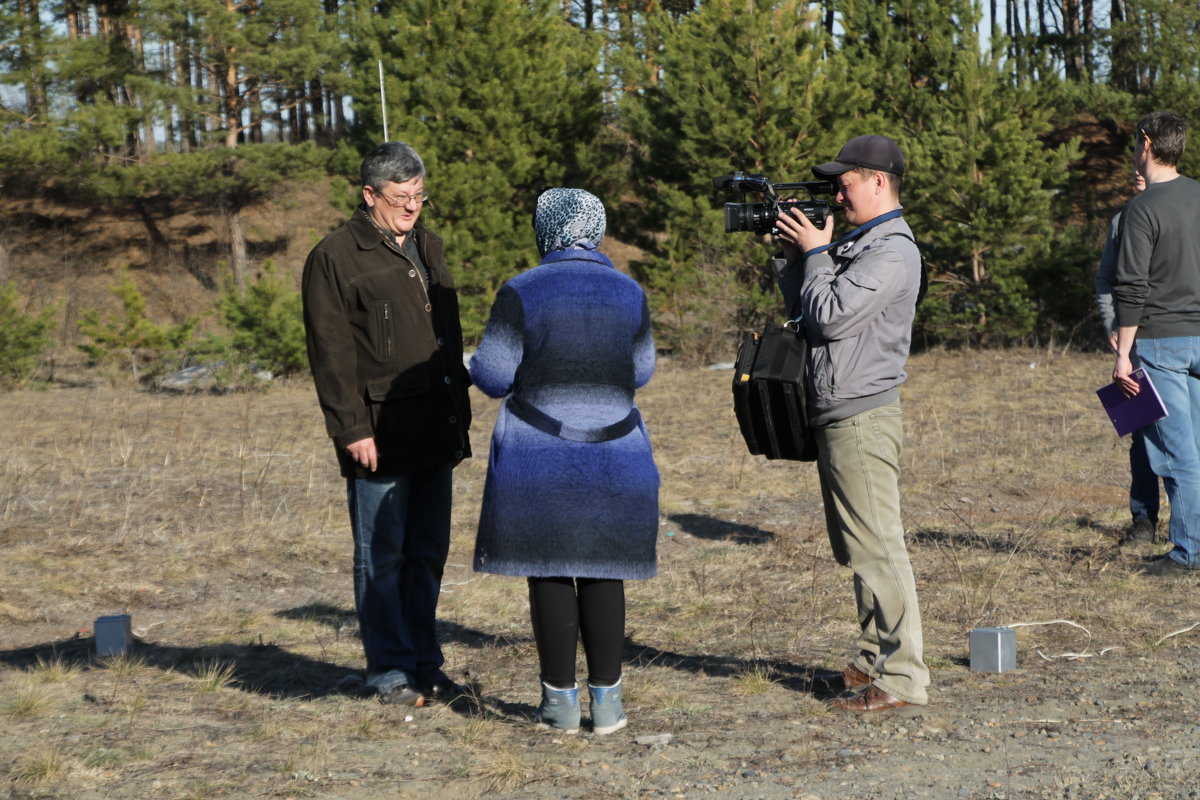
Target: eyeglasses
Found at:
401, 200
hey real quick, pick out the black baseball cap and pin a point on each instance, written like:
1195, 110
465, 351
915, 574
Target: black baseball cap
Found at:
873, 152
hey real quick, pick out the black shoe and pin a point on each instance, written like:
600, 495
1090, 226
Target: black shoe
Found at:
1167, 567
1142, 530
402, 695
444, 690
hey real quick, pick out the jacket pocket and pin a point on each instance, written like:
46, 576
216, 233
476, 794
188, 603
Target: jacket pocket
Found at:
383, 339
820, 368
411, 382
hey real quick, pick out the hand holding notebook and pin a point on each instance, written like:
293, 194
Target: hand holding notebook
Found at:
1129, 414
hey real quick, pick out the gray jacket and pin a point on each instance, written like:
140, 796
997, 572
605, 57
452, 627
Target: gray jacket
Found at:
858, 301
1106, 274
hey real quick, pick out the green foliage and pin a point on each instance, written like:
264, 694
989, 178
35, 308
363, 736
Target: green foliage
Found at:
129, 341
980, 183
500, 97
1155, 59
748, 86
226, 105
266, 323
24, 338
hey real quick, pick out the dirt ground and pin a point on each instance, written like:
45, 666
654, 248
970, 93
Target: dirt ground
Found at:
218, 523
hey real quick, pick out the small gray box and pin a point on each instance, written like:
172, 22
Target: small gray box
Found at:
993, 649
114, 636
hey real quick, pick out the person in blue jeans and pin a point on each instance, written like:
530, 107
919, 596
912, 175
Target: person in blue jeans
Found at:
1157, 297
1143, 483
385, 346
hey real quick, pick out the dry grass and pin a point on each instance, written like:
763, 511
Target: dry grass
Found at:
218, 524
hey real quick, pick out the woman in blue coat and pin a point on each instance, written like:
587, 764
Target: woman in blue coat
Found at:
571, 497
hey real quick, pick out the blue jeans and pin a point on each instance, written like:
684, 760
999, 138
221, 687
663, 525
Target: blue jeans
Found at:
1173, 364
401, 526
1143, 483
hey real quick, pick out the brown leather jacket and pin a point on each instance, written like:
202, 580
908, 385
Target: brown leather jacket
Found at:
386, 350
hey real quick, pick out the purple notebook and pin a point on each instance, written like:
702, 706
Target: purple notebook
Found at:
1129, 414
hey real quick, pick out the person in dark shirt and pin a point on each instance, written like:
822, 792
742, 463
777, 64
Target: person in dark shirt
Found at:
1157, 297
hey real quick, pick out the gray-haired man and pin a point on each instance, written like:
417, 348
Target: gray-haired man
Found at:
385, 346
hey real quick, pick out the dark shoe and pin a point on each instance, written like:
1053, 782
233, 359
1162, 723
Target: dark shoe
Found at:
1142, 530
873, 699
1167, 567
444, 690
402, 695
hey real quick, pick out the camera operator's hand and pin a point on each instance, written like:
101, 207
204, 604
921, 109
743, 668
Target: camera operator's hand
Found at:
798, 235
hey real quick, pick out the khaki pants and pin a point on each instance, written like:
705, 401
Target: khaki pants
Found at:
859, 466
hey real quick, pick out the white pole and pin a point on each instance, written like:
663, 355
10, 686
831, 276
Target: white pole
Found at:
382, 99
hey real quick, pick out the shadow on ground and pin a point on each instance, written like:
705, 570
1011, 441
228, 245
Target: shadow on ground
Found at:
817, 681
703, 526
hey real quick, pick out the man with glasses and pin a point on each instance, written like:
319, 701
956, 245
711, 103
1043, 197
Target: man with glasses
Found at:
385, 347
1157, 295
858, 296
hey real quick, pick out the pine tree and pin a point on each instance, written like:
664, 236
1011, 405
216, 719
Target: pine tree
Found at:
743, 86
1155, 58
500, 97
980, 184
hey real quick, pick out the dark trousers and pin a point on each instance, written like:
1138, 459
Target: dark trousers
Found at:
564, 608
1143, 483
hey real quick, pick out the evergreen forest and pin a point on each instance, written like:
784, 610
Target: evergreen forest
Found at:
1016, 119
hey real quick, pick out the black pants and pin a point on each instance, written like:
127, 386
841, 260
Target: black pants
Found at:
564, 608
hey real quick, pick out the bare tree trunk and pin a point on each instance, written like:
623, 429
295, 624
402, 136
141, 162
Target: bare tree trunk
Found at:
320, 122
257, 117
229, 98
5, 263
1089, 32
33, 57
239, 261
71, 9
1072, 62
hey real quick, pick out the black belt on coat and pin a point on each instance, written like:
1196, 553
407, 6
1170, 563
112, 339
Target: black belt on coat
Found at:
532, 415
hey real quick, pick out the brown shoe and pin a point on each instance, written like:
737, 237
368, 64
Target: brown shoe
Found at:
873, 699
853, 677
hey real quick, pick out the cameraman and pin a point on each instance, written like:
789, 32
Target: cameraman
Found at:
857, 297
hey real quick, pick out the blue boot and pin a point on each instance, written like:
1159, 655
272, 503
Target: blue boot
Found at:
607, 713
559, 710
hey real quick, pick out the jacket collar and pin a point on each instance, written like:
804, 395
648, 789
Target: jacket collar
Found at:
368, 237
577, 255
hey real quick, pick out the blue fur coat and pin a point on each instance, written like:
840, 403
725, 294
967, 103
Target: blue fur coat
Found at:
572, 338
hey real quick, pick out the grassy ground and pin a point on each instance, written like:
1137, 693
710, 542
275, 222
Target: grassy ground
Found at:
218, 523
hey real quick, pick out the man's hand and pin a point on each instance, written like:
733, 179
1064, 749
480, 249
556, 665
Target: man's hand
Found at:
799, 235
1125, 339
364, 453
1121, 376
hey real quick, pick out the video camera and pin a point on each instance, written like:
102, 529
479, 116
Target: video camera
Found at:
760, 217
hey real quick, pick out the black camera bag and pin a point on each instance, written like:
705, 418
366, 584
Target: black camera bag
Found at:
769, 394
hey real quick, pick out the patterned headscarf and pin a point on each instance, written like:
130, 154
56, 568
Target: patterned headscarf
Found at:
568, 218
